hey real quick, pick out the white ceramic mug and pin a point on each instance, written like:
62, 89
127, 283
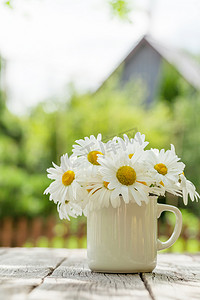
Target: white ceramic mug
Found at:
124, 239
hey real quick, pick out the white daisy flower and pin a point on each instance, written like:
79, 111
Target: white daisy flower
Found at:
134, 144
188, 189
127, 177
65, 184
99, 195
68, 208
160, 189
112, 147
164, 166
87, 151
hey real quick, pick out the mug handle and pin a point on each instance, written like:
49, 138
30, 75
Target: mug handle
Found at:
177, 229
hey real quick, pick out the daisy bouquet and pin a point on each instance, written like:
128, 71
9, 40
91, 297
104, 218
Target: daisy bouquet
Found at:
100, 174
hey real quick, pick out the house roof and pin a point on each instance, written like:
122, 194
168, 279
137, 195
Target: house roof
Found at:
188, 68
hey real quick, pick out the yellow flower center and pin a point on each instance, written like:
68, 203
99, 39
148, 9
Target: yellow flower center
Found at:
161, 168
68, 177
126, 175
66, 201
105, 183
92, 157
130, 155
161, 183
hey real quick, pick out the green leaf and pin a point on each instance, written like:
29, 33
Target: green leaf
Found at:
8, 3
120, 8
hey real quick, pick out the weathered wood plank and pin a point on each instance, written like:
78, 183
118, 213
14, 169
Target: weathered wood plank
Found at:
40, 274
2, 251
185, 267
22, 270
175, 277
30, 263
74, 280
17, 288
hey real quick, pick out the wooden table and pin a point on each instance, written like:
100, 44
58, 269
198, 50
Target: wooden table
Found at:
57, 274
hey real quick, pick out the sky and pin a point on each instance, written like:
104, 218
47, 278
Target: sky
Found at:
50, 44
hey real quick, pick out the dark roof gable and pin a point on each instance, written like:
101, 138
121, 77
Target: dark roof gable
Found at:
183, 63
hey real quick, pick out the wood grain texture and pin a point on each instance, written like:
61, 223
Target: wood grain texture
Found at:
22, 270
175, 277
51, 274
17, 288
74, 280
29, 263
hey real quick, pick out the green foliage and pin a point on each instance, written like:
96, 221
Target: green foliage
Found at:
8, 4
189, 242
172, 85
21, 193
120, 8
186, 112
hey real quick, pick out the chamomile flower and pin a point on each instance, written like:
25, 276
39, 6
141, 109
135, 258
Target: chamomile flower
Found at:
99, 195
133, 145
159, 189
87, 151
65, 184
188, 189
164, 166
127, 177
68, 209
100, 174
112, 147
